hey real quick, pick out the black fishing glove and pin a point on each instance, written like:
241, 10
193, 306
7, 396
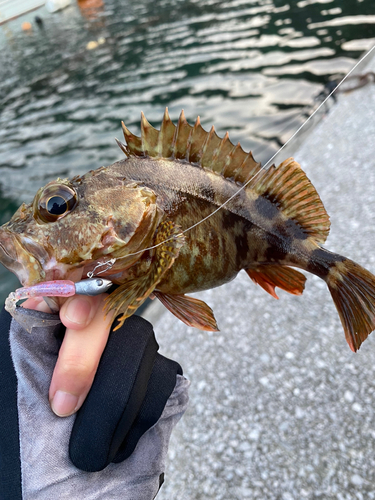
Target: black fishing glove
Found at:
136, 399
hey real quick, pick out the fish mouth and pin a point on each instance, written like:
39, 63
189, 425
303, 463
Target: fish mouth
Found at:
16, 257
31, 262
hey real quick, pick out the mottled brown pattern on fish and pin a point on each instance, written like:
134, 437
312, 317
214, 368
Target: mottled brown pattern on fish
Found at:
148, 214
208, 256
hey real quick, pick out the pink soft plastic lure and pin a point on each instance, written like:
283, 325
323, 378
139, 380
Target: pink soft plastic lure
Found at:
57, 288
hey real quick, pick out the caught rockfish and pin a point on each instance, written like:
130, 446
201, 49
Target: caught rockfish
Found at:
155, 217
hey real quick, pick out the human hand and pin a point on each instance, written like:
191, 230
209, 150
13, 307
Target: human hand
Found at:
87, 331
135, 400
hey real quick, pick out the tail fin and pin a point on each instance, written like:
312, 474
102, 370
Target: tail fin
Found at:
353, 291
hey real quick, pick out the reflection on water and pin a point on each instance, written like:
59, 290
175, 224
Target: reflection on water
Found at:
252, 67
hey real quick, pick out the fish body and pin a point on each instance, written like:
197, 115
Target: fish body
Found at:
245, 233
185, 211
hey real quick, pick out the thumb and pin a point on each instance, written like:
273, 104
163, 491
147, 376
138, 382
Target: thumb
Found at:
84, 342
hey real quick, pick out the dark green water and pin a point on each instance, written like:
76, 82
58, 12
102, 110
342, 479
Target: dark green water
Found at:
252, 67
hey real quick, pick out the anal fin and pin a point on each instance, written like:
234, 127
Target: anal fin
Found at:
189, 310
269, 277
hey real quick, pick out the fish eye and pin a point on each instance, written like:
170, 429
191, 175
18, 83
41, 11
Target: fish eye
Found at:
56, 205
55, 202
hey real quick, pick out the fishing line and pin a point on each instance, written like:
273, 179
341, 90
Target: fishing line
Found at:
262, 168
265, 165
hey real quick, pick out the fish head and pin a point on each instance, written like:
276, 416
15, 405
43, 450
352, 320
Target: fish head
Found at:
71, 226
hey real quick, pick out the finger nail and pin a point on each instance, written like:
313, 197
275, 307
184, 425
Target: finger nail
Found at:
64, 403
78, 310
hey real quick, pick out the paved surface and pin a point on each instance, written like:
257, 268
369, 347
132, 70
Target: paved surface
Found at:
280, 407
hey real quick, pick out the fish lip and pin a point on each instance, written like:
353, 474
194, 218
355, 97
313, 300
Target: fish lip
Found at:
5, 252
15, 257
31, 262
7, 245
8, 254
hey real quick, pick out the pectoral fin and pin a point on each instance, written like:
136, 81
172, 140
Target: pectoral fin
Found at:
129, 296
191, 311
269, 277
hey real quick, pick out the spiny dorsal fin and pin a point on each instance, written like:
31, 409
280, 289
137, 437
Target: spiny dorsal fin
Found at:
166, 136
134, 143
288, 187
149, 137
194, 144
181, 139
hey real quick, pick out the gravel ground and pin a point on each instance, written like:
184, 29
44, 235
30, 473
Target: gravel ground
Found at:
280, 408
